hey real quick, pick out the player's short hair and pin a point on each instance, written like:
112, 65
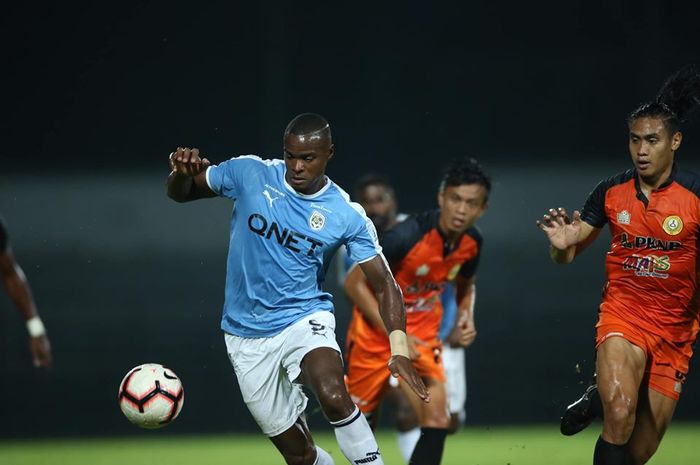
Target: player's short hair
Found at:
307, 124
465, 171
676, 100
372, 179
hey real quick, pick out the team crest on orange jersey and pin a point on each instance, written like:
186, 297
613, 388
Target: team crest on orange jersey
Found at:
673, 225
422, 270
624, 217
453, 272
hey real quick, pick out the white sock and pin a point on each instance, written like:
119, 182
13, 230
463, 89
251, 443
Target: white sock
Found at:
323, 457
407, 442
356, 440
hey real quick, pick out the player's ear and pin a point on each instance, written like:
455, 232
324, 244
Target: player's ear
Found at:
676, 140
331, 151
440, 197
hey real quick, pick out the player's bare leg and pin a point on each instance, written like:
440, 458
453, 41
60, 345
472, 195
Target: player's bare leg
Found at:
434, 418
654, 413
297, 446
322, 370
406, 420
455, 422
620, 369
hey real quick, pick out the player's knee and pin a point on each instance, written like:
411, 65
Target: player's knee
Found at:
406, 419
618, 418
619, 412
436, 418
335, 403
454, 424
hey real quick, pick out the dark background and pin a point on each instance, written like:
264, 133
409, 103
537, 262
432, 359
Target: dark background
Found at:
96, 96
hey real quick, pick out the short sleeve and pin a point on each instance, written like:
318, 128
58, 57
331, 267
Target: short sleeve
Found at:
470, 266
3, 236
400, 239
227, 178
594, 209
362, 243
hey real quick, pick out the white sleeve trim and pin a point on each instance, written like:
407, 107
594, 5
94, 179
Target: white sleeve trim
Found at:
206, 176
363, 261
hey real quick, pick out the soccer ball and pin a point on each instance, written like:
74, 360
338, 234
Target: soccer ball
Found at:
151, 396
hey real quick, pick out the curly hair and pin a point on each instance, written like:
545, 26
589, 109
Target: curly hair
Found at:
676, 100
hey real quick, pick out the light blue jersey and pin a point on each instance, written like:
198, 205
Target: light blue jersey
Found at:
449, 310
281, 244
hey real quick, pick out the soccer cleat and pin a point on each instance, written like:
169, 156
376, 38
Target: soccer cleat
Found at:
581, 413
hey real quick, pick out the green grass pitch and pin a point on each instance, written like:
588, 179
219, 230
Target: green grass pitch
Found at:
474, 446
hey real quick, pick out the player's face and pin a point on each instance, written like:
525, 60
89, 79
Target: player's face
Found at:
306, 158
652, 147
461, 206
379, 204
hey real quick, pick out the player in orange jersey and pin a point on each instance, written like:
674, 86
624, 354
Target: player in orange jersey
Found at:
647, 323
376, 195
425, 252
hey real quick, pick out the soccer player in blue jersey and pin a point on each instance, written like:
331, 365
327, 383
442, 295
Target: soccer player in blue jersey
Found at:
17, 287
288, 221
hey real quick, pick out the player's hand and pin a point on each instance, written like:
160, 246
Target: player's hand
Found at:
403, 367
463, 335
467, 334
562, 231
186, 161
40, 348
413, 343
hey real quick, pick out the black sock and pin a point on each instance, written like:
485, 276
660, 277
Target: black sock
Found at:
429, 448
609, 454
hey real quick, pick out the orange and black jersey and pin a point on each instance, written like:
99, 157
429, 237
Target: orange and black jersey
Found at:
652, 263
423, 262
3, 236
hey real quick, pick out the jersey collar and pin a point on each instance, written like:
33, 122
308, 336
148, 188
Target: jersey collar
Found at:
306, 196
664, 185
446, 248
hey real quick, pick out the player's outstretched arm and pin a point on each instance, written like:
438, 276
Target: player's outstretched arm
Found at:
394, 317
187, 179
567, 236
17, 286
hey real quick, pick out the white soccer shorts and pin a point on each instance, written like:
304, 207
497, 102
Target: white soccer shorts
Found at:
455, 370
267, 367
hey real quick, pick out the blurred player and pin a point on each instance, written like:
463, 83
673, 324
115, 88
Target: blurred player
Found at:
18, 289
289, 220
376, 195
425, 252
647, 323
453, 357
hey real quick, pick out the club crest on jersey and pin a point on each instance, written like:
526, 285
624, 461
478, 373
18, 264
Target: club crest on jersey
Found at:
422, 270
673, 225
317, 220
453, 272
624, 217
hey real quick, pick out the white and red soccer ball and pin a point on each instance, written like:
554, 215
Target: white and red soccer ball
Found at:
151, 396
